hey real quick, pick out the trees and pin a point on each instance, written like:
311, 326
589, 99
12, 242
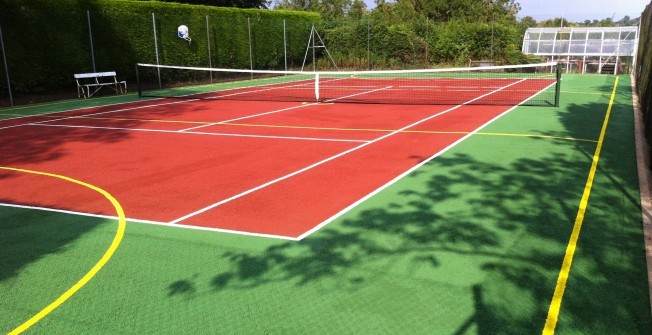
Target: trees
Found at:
330, 9
262, 4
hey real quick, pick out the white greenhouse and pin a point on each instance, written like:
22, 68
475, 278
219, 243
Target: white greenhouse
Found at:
608, 50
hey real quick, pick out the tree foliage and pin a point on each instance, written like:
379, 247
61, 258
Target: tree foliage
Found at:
404, 33
417, 33
261, 4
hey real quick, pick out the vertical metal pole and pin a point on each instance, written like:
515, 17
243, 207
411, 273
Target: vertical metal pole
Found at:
554, 44
539, 40
4, 58
492, 39
586, 44
90, 37
285, 47
637, 35
620, 31
138, 85
427, 35
314, 65
208, 41
558, 85
368, 44
251, 57
568, 51
156, 51
601, 53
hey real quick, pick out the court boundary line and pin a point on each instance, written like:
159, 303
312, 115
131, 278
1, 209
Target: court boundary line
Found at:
115, 243
98, 113
564, 273
274, 181
413, 131
149, 222
204, 133
412, 169
46, 104
329, 128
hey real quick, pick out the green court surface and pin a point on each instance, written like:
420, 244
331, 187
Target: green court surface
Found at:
470, 243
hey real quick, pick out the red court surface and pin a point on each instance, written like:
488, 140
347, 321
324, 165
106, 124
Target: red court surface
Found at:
276, 169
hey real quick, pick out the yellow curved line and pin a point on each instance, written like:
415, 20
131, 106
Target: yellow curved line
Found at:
122, 223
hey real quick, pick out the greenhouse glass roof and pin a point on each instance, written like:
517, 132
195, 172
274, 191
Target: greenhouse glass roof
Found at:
581, 41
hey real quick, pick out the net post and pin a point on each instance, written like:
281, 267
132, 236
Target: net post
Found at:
558, 85
138, 86
316, 87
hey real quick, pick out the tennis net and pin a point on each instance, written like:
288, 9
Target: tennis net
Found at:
531, 84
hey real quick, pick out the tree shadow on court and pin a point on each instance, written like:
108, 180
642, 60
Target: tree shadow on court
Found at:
47, 142
455, 207
497, 230
28, 236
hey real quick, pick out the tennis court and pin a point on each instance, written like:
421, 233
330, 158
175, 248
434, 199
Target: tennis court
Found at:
316, 213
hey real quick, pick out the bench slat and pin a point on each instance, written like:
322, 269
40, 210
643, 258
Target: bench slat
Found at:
94, 75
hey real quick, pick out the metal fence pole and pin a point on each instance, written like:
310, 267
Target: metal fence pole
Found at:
368, 44
156, 51
4, 58
251, 57
285, 47
427, 38
90, 37
208, 40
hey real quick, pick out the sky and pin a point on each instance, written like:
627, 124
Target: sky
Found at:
580, 10
575, 10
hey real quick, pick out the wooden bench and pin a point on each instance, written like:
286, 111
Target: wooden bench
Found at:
90, 83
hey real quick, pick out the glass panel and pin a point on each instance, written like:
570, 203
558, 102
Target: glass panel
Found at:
545, 47
593, 46
578, 35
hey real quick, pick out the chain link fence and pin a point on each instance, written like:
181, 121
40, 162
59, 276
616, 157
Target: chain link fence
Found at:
40, 54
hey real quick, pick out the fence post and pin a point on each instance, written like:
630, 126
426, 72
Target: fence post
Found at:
208, 40
90, 37
285, 47
156, 51
4, 58
368, 44
251, 59
427, 38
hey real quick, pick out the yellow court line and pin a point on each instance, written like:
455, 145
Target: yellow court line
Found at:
587, 93
122, 223
555, 304
410, 131
324, 128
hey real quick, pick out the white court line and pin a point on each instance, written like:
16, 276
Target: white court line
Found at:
203, 133
158, 223
281, 110
92, 114
245, 117
202, 210
412, 169
67, 110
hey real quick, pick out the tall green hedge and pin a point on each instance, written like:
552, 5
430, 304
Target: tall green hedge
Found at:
643, 73
48, 41
377, 43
